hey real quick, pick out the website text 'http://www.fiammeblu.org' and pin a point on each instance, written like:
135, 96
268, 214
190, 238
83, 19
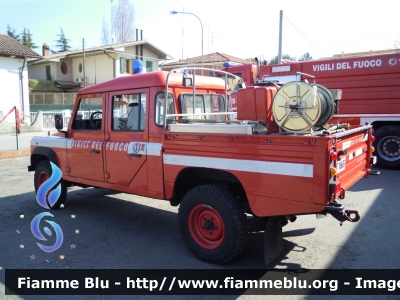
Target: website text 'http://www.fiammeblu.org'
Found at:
202, 282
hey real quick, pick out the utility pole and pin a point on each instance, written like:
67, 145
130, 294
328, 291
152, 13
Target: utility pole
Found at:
280, 37
183, 30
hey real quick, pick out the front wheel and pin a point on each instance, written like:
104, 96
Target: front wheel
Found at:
387, 146
213, 224
43, 172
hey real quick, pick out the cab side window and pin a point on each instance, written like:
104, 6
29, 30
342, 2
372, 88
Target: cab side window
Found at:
129, 112
169, 106
89, 114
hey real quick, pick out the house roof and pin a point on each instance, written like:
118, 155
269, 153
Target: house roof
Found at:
208, 58
67, 85
10, 46
110, 48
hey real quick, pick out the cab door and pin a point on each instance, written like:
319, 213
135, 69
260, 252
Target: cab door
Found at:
127, 139
85, 142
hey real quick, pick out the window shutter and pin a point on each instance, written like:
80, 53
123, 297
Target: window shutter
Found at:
149, 66
122, 65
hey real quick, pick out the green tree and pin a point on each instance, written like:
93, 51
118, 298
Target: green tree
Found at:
256, 60
305, 56
274, 60
26, 39
11, 32
62, 42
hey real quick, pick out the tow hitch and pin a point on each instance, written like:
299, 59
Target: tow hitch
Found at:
339, 213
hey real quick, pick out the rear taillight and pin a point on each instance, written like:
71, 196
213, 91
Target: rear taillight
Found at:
333, 155
334, 188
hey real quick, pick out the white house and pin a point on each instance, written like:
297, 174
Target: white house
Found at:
214, 60
14, 76
94, 64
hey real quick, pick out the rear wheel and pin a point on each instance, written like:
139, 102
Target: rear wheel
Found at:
42, 173
387, 146
213, 224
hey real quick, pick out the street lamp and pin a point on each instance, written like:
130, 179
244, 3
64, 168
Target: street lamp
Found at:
187, 13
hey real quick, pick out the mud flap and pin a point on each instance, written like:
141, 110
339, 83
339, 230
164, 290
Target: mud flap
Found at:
272, 239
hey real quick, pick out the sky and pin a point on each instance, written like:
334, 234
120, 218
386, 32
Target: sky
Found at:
240, 28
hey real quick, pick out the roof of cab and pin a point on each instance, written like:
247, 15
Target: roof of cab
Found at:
151, 79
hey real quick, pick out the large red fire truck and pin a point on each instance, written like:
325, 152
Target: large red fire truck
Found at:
371, 92
168, 136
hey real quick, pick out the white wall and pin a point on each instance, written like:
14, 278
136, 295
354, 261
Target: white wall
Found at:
130, 53
38, 71
100, 71
146, 57
10, 87
58, 72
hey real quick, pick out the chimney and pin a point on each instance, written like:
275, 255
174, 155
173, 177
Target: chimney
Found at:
45, 50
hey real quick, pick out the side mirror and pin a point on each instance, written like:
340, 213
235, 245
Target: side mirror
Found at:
58, 121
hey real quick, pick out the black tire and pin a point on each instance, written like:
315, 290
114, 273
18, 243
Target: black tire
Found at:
387, 146
43, 170
213, 224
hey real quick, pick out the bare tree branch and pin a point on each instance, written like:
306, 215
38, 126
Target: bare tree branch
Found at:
105, 33
123, 16
397, 43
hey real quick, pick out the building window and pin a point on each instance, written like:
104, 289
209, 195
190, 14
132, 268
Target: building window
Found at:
125, 66
48, 73
64, 67
128, 66
149, 66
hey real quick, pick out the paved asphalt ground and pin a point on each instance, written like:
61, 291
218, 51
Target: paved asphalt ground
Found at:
121, 231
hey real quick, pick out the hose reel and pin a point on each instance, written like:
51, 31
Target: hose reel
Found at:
299, 106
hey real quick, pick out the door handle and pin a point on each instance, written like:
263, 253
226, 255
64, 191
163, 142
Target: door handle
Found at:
135, 155
94, 151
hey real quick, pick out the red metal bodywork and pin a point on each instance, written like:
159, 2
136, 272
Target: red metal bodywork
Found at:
370, 84
280, 174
